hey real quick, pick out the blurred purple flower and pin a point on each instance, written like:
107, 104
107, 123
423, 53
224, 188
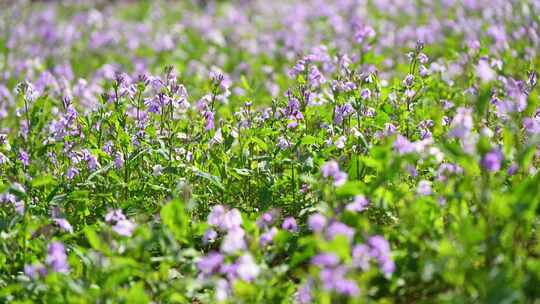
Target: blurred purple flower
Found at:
359, 204
267, 237
325, 260
317, 222
57, 258
424, 188
63, 224
492, 160
211, 263
289, 224
331, 169
124, 227
338, 228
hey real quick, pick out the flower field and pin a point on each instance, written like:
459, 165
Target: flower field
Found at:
252, 151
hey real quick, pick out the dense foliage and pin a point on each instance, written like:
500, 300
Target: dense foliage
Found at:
323, 151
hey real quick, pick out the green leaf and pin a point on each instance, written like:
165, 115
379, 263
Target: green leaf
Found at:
173, 215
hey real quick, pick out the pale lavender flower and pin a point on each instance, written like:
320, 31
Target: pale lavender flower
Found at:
223, 290
114, 216
365, 94
340, 142
19, 207
210, 235
303, 295
338, 228
231, 220
315, 77
462, 123
211, 263
361, 256
57, 257
325, 260
63, 224
512, 169
247, 269
124, 227
403, 146
347, 287
380, 250
532, 125
209, 117
317, 222
359, 204
424, 188
484, 71
331, 169
35, 270
289, 224
24, 158
119, 160
409, 80
266, 219
72, 172
233, 241
267, 237
215, 217
492, 160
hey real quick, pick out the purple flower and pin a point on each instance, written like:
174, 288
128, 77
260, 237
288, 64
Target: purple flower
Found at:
63, 224
338, 228
224, 220
409, 80
303, 295
343, 112
363, 32
267, 237
512, 169
210, 264
223, 290
35, 271
423, 58
484, 71
347, 287
215, 216
209, 236
462, 123
365, 94
403, 146
532, 125
424, 188
90, 159
119, 160
231, 220
325, 260
57, 258
492, 160
72, 172
380, 250
114, 216
265, 220
315, 77
24, 158
124, 227
209, 116
317, 222
361, 256
289, 224
333, 279
331, 169
233, 241
247, 269
359, 204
